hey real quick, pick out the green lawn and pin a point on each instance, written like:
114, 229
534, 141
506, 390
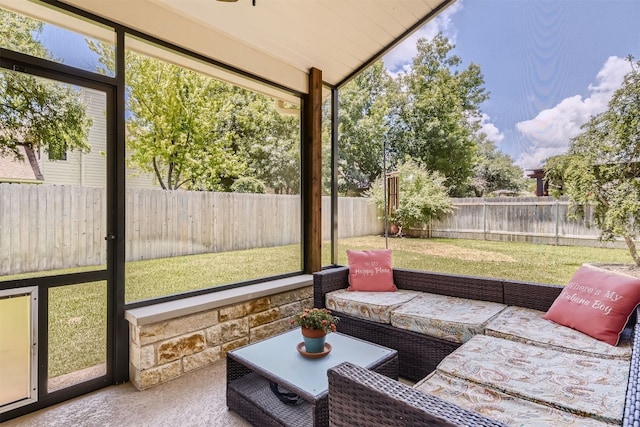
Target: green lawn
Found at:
166, 276
77, 329
508, 260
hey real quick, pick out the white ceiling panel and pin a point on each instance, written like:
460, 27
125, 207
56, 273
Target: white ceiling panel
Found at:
279, 40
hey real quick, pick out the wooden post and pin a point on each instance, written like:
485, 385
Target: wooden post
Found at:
312, 174
484, 219
557, 240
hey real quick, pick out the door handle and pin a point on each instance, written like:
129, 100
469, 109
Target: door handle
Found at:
110, 237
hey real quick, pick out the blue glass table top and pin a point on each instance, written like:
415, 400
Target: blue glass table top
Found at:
278, 358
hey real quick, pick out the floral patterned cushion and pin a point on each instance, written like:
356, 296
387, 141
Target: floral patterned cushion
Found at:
579, 384
528, 326
499, 406
450, 318
374, 306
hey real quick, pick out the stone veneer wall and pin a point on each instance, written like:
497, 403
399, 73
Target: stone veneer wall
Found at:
163, 351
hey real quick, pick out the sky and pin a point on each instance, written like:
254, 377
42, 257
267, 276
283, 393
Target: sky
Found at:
548, 65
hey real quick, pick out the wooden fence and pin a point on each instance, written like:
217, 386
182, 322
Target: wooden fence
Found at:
523, 219
45, 227
50, 227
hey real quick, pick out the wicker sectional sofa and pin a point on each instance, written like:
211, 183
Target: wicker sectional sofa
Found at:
452, 373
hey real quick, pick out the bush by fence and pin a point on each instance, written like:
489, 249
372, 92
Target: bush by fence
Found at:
46, 227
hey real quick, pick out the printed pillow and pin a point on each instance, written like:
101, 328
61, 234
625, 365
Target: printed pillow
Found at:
596, 302
371, 271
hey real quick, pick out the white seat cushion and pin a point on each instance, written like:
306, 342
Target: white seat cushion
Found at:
576, 383
450, 318
374, 306
500, 406
528, 326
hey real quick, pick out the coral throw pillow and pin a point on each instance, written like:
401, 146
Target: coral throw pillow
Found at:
596, 302
371, 271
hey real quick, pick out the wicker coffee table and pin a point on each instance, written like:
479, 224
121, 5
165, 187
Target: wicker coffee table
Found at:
250, 370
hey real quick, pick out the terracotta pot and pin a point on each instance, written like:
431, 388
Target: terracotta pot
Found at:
314, 340
313, 333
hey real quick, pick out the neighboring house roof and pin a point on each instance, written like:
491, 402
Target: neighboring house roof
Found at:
26, 170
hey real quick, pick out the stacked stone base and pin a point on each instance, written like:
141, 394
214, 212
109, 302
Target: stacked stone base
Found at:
163, 351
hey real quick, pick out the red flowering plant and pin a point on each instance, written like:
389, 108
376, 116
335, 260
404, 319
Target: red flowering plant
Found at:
316, 318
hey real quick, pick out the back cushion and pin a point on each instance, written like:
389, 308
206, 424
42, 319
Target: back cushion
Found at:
596, 302
370, 271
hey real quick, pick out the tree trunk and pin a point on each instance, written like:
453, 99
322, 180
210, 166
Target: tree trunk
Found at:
632, 250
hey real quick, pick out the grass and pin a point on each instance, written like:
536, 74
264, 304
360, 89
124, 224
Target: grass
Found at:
77, 329
508, 260
167, 276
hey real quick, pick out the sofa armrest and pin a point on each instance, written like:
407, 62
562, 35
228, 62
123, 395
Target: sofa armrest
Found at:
328, 280
360, 397
631, 415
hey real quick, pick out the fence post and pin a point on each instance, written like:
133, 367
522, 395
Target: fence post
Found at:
557, 221
484, 218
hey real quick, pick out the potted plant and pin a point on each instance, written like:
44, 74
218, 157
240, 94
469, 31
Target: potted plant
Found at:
315, 324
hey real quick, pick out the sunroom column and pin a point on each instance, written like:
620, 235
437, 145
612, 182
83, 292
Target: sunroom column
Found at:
312, 174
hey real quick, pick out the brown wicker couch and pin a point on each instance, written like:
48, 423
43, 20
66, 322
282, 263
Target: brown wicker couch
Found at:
386, 402
419, 354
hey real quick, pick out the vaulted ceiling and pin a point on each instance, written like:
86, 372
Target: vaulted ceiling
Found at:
278, 40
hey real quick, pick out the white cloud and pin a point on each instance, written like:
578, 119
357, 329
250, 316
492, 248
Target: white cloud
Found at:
399, 58
491, 130
548, 134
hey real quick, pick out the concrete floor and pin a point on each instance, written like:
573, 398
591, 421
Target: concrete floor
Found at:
195, 399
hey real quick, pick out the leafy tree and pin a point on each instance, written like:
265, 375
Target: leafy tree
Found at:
172, 129
366, 108
602, 166
270, 142
442, 103
35, 112
248, 185
495, 170
423, 195
555, 169
195, 132
326, 147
